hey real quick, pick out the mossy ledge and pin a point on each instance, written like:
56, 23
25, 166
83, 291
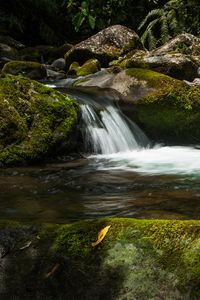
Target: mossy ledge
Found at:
35, 121
138, 259
171, 110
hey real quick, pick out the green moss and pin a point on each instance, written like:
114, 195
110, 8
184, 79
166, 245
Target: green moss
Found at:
153, 79
166, 250
34, 120
89, 67
172, 113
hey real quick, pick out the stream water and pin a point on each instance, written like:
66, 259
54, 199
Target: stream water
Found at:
121, 175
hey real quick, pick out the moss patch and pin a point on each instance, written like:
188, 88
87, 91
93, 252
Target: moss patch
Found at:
89, 67
35, 120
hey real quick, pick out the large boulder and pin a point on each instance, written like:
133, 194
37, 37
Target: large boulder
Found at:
137, 259
105, 46
33, 70
179, 58
35, 121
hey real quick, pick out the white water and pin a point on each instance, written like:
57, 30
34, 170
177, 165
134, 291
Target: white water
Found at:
155, 161
106, 131
118, 145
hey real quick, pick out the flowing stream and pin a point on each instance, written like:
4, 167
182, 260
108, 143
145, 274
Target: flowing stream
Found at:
120, 175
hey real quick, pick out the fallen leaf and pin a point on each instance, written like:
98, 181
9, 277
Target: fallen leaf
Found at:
102, 233
54, 269
26, 245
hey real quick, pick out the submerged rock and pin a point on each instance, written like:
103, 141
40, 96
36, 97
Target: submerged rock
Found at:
36, 122
137, 259
33, 70
105, 46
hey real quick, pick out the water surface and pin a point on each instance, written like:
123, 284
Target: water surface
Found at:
163, 182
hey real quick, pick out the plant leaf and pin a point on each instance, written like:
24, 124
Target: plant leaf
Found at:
102, 233
92, 21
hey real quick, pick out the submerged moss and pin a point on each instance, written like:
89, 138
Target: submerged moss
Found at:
35, 120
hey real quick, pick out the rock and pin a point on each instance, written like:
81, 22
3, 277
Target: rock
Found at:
11, 42
7, 51
91, 66
53, 75
32, 70
184, 43
58, 52
38, 53
161, 258
59, 64
179, 58
105, 46
73, 68
36, 121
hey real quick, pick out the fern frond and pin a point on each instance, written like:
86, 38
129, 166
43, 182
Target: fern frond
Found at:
151, 40
164, 29
152, 13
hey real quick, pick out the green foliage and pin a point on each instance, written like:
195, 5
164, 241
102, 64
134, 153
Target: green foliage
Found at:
162, 23
166, 21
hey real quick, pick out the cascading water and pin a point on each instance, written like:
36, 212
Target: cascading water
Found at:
107, 131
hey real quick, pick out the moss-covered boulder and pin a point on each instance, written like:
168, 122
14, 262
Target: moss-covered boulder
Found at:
35, 121
33, 70
105, 46
170, 112
137, 259
91, 66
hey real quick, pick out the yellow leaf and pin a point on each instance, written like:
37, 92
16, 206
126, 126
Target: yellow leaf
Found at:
102, 233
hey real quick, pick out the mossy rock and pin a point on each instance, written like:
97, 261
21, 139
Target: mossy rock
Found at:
33, 70
35, 121
91, 66
137, 259
171, 111
73, 68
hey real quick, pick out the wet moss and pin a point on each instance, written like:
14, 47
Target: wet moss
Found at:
35, 120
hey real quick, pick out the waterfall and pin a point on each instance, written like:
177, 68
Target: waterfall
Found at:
107, 130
